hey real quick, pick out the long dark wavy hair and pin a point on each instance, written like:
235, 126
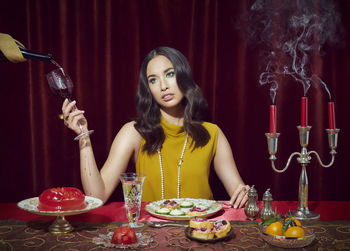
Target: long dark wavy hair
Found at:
195, 106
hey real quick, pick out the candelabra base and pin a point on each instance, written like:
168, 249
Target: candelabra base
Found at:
304, 215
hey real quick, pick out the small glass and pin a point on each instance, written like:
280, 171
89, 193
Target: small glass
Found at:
132, 189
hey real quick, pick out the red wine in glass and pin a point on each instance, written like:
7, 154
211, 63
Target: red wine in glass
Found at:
62, 86
60, 83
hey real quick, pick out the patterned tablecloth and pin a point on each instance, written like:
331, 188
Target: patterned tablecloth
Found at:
33, 235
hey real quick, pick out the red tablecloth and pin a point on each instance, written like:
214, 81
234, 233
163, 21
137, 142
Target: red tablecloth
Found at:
115, 211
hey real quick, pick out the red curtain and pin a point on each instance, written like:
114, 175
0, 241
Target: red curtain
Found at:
101, 44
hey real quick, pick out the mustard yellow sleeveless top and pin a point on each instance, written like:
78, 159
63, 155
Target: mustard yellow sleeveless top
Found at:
194, 174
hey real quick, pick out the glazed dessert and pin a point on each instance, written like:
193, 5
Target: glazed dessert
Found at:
124, 235
61, 199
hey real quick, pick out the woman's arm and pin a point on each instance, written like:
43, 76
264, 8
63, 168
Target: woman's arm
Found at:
101, 184
227, 172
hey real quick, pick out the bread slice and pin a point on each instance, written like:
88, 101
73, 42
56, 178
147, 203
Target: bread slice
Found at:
195, 213
203, 233
201, 223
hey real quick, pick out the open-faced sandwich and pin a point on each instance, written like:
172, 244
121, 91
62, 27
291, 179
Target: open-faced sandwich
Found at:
183, 208
177, 212
206, 230
163, 210
197, 210
171, 204
186, 204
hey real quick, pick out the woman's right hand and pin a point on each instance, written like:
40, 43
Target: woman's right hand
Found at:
71, 116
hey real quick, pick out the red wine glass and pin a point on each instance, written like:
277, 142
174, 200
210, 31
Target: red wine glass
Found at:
62, 86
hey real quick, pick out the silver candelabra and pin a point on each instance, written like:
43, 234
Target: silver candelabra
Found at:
304, 157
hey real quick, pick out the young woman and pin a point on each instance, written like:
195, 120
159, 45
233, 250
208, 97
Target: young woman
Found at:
169, 142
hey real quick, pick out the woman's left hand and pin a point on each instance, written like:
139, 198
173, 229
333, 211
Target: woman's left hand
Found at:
240, 196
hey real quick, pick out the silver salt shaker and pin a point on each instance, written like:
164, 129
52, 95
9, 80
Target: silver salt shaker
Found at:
267, 211
251, 209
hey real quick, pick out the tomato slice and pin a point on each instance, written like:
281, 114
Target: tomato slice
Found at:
124, 235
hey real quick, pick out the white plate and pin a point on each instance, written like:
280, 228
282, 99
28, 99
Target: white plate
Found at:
31, 205
214, 207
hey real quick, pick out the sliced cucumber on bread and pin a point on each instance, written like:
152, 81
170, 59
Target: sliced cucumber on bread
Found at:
163, 210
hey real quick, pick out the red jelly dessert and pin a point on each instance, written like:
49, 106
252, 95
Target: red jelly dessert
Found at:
124, 235
61, 199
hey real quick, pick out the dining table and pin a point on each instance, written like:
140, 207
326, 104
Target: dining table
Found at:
23, 230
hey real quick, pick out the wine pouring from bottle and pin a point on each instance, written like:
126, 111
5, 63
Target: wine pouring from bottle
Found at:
12, 50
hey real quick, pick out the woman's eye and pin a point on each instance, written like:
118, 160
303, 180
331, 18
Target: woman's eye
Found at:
170, 74
152, 80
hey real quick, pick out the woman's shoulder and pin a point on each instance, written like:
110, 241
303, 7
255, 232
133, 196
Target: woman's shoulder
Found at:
130, 124
211, 127
126, 141
129, 132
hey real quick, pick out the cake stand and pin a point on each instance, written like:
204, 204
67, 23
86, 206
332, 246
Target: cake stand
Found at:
60, 225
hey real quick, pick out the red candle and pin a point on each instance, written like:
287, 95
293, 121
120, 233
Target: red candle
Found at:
273, 119
304, 115
331, 115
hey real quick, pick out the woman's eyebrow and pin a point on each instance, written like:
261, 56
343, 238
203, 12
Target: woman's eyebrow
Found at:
165, 71
152, 75
170, 68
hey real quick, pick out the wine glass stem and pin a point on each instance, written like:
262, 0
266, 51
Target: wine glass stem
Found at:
74, 109
81, 127
82, 131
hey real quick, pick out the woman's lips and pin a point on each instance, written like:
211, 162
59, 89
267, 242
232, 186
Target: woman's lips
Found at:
168, 97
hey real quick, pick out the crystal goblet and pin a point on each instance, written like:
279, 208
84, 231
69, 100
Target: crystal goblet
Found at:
132, 189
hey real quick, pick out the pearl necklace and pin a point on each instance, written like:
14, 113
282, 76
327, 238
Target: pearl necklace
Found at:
178, 169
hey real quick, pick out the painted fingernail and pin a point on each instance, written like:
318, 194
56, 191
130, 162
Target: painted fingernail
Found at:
234, 206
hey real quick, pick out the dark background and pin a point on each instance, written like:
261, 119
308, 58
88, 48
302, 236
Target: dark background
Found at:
101, 45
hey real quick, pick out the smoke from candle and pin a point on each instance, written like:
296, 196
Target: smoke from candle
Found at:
290, 32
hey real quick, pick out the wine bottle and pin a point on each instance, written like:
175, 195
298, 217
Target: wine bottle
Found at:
28, 54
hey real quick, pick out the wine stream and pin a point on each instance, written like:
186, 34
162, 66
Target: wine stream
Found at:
58, 66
